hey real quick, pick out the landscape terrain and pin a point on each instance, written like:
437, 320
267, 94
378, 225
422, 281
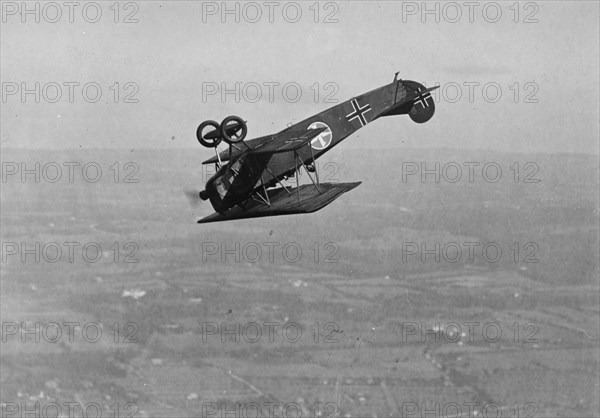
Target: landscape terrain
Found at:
366, 308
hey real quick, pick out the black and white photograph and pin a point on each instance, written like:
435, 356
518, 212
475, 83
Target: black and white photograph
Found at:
300, 209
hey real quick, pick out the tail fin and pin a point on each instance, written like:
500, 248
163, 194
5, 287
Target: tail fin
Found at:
423, 106
419, 106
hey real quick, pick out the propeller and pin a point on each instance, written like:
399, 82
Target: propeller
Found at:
193, 197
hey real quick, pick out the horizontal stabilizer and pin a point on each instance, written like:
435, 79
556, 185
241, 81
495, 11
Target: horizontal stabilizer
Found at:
284, 202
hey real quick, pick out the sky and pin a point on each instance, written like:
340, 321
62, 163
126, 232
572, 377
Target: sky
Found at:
514, 76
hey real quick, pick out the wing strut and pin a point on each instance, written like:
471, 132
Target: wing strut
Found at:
264, 198
220, 163
396, 93
278, 181
309, 176
316, 168
297, 181
302, 164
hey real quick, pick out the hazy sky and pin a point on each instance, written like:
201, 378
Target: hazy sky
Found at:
547, 72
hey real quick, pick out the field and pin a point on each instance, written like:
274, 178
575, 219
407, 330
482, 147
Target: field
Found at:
383, 304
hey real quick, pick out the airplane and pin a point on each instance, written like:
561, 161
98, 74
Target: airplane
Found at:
248, 169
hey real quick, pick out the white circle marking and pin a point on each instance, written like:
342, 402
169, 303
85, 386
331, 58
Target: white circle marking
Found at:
323, 140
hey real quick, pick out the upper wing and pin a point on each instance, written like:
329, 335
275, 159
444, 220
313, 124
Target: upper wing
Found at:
305, 199
271, 144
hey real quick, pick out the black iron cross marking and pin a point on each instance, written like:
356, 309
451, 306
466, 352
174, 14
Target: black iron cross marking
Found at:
358, 112
422, 99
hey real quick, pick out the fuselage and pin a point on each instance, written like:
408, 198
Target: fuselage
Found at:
236, 181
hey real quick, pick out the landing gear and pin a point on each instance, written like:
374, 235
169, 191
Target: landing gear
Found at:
210, 139
233, 129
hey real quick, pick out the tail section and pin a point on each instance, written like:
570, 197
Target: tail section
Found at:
419, 104
423, 106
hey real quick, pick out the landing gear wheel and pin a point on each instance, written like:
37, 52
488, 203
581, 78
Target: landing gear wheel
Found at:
231, 127
212, 138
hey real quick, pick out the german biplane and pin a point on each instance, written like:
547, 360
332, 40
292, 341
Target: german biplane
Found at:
247, 171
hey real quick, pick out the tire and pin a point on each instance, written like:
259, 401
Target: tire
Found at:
214, 140
230, 137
